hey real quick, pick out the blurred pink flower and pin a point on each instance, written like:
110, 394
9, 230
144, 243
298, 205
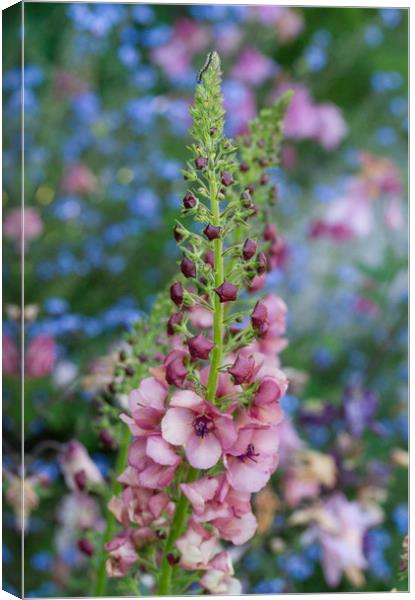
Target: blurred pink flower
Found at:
331, 127
227, 38
10, 356
79, 470
197, 547
393, 214
218, 578
122, 554
13, 226
307, 120
40, 356
253, 67
175, 57
79, 179
341, 529
287, 22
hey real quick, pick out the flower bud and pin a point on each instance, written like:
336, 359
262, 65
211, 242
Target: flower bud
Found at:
226, 178
86, 547
211, 232
176, 293
249, 249
263, 162
243, 167
243, 369
259, 317
178, 233
174, 320
189, 201
176, 371
80, 480
270, 232
106, 438
129, 371
251, 188
201, 162
264, 179
200, 347
268, 391
188, 267
172, 560
210, 258
227, 292
262, 263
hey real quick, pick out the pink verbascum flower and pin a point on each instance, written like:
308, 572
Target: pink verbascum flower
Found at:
253, 67
197, 547
10, 357
229, 511
141, 506
218, 578
40, 356
79, 470
331, 128
122, 554
199, 427
253, 458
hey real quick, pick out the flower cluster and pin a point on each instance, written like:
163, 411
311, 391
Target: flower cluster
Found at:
205, 421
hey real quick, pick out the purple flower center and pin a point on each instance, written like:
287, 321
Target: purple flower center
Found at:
250, 454
203, 425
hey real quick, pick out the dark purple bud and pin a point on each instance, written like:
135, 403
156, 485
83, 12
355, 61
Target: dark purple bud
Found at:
212, 131
243, 369
251, 188
200, 347
262, 263
111, 388
244, 167
129, 371
226, 178
188, 267
263, 162
176, 293
210, 258
270, 232
211, 232
106, 438
174, 320
80, 480
189, 201
176, 371
249, 249
264, 179
86, 547
201, 162
227, 292
178, 233
259, 317
172, 560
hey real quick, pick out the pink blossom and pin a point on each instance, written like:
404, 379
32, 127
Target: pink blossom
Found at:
253, 458
218, 578
214, 501
78, 468
20, 221
197, 547
122, 555
225, 385
176, 371
393, 213
341, 530
298, 488
140, 505
289, 441
253, 67
40, 356
200, 317
289, 25
198, 426
331, 127
79, 179
146, 403
10, 357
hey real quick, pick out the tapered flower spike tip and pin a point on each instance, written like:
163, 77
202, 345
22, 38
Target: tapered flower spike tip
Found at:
211, 68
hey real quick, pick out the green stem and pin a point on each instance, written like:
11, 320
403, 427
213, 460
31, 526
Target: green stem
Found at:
101, 581
218, 306
176, 529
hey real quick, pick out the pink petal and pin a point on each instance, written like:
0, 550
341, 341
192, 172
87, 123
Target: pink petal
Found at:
246, 476
237, 530
137, 453
226, 432
185, 399
160, 451
200, 492
176, 425
203, 452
